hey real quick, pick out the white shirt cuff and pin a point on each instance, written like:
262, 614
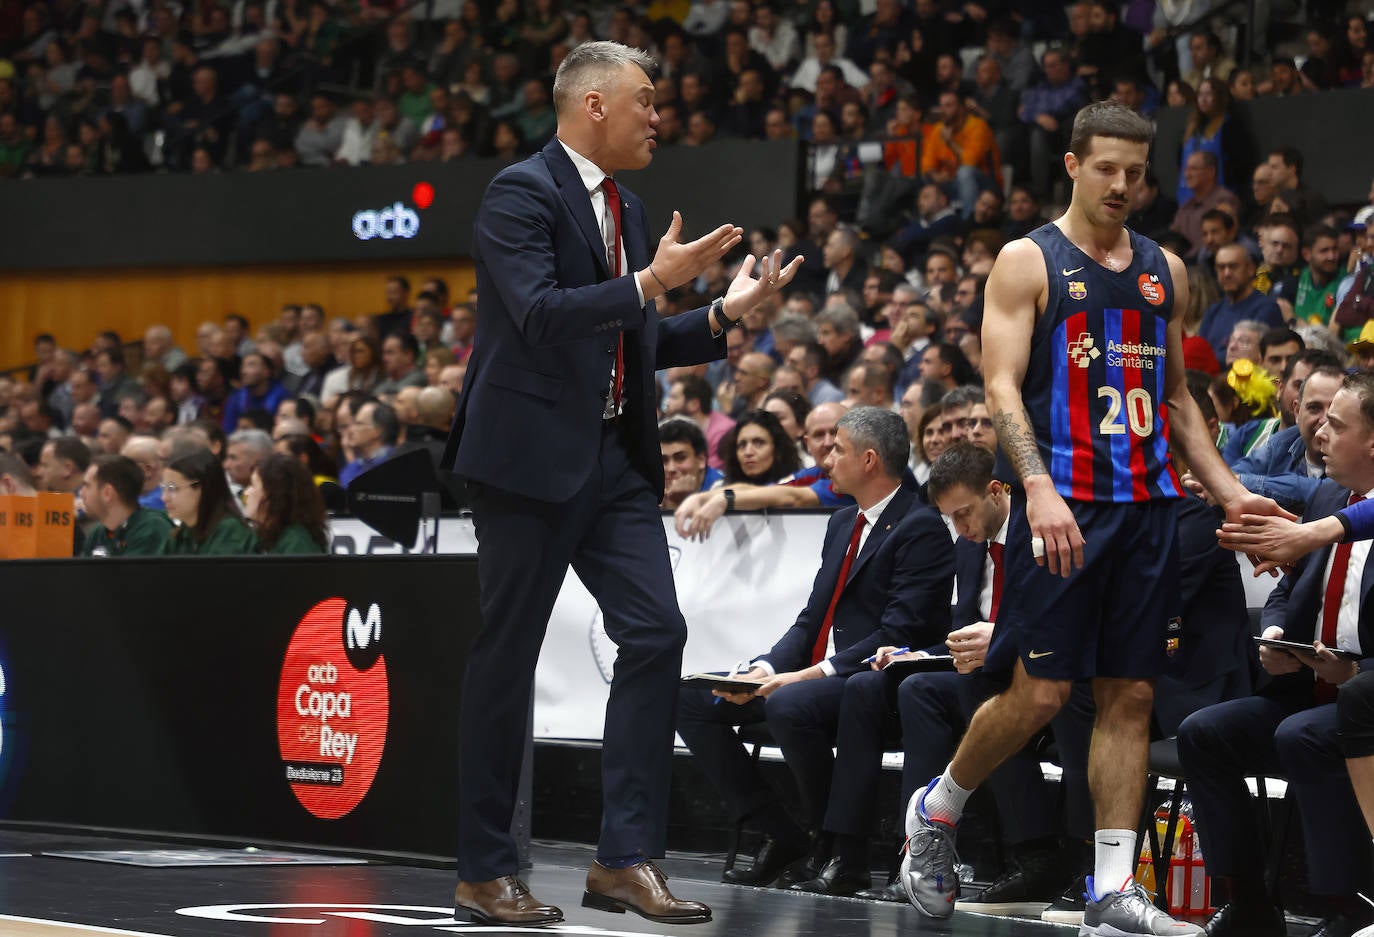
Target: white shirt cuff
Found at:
765, 665
639, 290
828, 667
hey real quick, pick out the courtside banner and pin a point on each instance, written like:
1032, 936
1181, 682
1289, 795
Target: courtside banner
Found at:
739, 590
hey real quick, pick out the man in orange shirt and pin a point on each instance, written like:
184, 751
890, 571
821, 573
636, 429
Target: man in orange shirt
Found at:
962, 154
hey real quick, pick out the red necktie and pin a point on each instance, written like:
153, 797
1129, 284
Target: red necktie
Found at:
1331, 607
995, 551
613, 206
823, 638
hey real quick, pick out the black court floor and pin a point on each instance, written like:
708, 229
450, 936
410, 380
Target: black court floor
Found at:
46, 896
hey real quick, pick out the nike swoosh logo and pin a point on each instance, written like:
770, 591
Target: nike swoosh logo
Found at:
1069, 273
1036, 655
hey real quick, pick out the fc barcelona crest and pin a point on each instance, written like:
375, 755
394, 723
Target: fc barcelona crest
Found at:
1078, 289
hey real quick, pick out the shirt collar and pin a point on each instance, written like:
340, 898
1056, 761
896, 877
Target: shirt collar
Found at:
1002, 531
871, 514
590, 173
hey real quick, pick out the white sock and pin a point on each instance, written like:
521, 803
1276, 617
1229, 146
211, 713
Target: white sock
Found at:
1114, 869
945, 801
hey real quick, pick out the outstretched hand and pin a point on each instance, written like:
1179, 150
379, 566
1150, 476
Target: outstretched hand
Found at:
676, 263
746, 292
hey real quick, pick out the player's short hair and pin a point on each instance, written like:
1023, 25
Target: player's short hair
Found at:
588, 66
961, 464
1361, 384
681, 429
1108, 119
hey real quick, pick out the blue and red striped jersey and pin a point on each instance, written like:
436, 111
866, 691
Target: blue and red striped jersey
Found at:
1094, 384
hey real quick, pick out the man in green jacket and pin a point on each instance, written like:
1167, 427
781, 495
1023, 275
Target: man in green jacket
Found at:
110, 493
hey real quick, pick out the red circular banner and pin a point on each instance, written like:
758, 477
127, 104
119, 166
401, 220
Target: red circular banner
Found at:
331, 717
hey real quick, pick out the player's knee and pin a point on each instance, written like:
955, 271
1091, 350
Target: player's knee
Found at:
1129, 698
1040, 700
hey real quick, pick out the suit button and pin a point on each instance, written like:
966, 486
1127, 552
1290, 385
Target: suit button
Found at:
619, 321
610, 351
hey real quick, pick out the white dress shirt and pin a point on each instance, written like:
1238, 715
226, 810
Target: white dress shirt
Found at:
592, 177
1348, 618
985, 593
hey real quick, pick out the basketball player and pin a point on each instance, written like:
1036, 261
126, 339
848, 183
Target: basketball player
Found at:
1082, 355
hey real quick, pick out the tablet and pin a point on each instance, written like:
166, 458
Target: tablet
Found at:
716, 681
1303, 648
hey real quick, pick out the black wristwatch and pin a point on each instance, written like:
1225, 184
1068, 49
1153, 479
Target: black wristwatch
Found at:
729, 499
724, 321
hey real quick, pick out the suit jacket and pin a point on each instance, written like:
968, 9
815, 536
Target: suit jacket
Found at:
1295, 601
897, 591
969, 560
549, 314
1214, 630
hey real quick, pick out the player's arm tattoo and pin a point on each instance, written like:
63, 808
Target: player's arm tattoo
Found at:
1019, 445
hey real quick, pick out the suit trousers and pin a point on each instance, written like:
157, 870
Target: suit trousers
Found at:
611, 534
1221, 745
803, 718
935, 710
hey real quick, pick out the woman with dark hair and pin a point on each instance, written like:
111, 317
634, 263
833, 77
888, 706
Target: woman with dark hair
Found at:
930, 442
197, 496
791, 409
1212, 128
364, 365
286, 507
757, 451
317, 462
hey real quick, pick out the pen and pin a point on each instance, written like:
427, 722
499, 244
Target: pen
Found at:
900, 650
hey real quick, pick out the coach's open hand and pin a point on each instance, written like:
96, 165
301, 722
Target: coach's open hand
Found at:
676, 263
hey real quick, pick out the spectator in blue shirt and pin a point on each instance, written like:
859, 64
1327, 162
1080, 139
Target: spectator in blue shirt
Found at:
371, 438
1048, 109
260, 390
1235, 275
685, 471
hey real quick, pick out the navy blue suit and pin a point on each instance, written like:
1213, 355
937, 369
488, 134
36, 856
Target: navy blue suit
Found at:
1283, 731
897, 593
552, 484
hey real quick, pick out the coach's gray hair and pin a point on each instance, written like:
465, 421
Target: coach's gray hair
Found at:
588, 66
882, 431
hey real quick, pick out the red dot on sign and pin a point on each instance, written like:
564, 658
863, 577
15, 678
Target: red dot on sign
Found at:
422, 195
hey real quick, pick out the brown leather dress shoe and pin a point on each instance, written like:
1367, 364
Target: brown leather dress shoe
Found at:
643, 889
504, 900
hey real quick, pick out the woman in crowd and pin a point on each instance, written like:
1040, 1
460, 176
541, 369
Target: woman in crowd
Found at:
930, 442
286, 508
1212, 128
1197, 351
757, 451
1178, 93
791, 409
197, 496
364, 365
317, 463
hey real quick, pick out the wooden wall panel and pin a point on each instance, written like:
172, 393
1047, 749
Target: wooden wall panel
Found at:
75, 305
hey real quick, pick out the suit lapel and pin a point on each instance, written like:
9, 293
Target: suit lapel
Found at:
578, 201
896, 509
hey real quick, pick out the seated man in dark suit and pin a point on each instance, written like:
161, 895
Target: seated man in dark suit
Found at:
885, 579
935, 707
1291, 727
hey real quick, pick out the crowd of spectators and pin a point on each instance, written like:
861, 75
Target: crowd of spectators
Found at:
245, 442
954, 93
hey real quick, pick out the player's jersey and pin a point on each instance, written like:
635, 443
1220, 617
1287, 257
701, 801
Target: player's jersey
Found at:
1094, 385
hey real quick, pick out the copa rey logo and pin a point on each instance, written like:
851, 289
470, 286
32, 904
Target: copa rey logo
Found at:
332, 707
397, 220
